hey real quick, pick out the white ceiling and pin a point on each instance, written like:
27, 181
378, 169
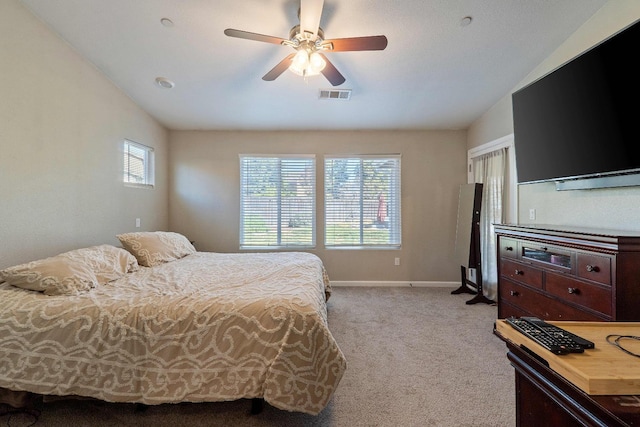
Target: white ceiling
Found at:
434, 74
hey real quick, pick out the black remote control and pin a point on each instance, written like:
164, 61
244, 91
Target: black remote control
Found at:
559, 332
555, 344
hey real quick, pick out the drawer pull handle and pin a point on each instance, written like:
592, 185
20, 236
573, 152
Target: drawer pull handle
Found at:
514, 293
593, 268
508, 248
518, 272
574, 291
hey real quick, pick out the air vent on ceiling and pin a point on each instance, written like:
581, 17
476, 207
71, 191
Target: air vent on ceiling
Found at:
338, 94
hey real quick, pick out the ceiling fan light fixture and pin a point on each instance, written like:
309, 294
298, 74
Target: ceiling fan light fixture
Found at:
307, 65
317, 62
300, 61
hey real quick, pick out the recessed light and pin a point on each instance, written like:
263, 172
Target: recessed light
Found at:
466, 21
164, 83
166, 22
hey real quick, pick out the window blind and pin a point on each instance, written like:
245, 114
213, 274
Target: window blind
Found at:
138, 164
362, 201
277, 201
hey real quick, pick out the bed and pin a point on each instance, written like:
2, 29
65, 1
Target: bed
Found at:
138, 325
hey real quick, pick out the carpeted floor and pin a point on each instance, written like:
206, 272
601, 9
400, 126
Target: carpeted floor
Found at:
416, 357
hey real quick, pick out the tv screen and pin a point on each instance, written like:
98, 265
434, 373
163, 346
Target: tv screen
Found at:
582, 120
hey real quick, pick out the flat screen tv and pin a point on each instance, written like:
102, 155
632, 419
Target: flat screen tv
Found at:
582, 120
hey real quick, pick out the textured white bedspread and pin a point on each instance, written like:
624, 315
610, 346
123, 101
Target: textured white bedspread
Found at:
207, 327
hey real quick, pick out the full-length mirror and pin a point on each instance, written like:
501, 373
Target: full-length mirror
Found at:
464, 227
467, 248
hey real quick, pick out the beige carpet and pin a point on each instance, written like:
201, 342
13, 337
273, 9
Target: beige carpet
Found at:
416, 357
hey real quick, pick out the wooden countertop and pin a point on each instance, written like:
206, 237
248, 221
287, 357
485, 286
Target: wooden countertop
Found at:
604, 370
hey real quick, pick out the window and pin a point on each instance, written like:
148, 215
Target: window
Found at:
277, 201
138, 164
362, 201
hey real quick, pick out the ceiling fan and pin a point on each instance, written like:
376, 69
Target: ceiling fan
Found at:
308, 40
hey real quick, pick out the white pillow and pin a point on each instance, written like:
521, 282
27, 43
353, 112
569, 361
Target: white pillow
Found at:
107, 262
52, 276
156, 247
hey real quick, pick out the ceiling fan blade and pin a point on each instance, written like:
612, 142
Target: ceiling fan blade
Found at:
331, 73
310, 14
357, 43
279, 69
253, 36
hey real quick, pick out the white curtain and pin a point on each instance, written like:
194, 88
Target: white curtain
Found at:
489, 169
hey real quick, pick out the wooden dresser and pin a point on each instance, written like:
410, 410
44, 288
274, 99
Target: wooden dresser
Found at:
568, 273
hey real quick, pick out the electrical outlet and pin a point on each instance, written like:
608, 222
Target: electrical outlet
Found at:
137, 222
397, 261
532, 214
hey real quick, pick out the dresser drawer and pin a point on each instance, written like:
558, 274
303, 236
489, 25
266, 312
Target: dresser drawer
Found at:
521, 273
545, 307
587, 295
595, 267
508, 248
515, 294
547, 257
507, 310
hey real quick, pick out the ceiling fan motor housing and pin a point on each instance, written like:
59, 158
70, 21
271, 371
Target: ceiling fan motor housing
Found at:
297, 37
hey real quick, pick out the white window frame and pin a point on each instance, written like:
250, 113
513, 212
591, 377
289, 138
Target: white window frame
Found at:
394, 206
281, 218
148, 164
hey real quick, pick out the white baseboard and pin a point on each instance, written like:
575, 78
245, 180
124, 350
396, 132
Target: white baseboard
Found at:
394, 284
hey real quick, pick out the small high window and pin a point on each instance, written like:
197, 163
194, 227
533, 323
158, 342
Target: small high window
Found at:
138, 164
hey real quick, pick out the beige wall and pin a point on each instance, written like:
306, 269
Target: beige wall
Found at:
608, 208
62, 124
204, 195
